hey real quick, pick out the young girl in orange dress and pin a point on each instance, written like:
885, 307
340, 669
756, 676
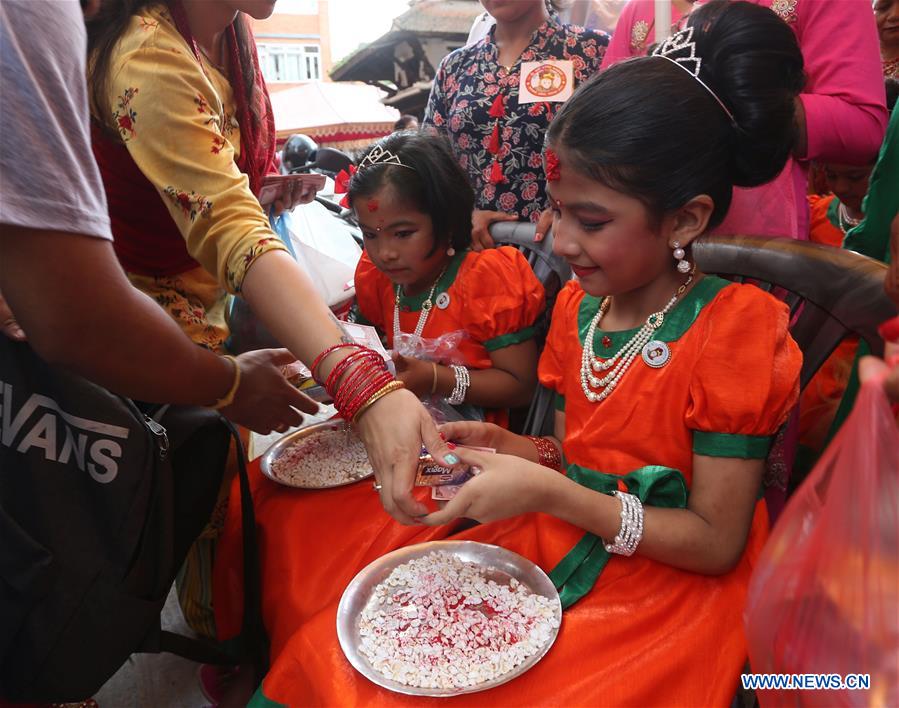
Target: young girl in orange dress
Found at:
670, 385
414, 204
419, 282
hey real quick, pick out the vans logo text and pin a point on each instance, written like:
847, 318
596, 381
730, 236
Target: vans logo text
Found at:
61, 435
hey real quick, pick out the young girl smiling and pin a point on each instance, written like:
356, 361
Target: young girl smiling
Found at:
418, 278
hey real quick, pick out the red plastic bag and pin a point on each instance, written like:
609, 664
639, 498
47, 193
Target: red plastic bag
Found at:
824, 598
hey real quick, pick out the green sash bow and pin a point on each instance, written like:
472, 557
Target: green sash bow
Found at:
575, 575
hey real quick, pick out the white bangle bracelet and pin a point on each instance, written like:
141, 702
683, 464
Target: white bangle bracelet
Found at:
461, 388
631, 532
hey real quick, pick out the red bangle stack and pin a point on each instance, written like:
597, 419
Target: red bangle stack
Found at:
366, 377
548, 454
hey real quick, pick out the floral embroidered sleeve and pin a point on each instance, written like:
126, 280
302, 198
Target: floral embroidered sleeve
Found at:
435, 113
179, 128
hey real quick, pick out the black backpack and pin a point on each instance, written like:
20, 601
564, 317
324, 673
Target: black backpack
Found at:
99, 504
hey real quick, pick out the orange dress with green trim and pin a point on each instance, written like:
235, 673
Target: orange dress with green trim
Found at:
821, 398
313, 542
646, 633
493, 296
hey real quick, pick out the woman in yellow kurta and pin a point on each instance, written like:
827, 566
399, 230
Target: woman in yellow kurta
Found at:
671, 385
184, 136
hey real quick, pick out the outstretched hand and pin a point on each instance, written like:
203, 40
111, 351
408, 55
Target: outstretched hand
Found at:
504, 486
393, 430
265, 400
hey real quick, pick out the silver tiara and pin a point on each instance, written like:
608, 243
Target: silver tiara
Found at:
680, 50
379, 156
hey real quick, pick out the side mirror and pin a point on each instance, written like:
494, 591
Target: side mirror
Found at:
331, 160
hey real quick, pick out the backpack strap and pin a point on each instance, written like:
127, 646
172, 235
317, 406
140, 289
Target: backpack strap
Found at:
253, 639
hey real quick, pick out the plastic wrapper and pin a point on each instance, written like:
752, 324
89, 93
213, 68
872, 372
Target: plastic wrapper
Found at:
443, 350
824, 598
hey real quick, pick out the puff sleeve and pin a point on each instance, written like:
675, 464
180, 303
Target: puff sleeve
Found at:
179, 133
562, 332
370, 288
746, 378
505, 298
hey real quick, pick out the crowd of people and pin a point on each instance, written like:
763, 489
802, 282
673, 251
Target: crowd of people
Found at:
669, 384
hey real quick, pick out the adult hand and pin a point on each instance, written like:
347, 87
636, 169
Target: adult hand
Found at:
265, 400
294, 193
506, 486
480, 227
393, 430
476, 434
8, 324
544, 224
418, 375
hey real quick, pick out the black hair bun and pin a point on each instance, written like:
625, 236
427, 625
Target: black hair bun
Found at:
752, 61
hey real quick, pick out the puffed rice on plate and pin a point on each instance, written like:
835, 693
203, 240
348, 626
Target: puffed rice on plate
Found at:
327, 457
441, 622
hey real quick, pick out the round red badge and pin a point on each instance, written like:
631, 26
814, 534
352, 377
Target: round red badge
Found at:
546, 81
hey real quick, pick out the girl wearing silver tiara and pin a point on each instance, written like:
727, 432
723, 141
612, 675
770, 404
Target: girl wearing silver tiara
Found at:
670, 385
460, 323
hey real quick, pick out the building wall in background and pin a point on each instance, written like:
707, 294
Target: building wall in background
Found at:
294, 43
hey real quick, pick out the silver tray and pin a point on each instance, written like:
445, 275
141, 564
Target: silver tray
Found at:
278, 448
507, 565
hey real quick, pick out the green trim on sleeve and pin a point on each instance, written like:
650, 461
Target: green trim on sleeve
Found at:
750, 447
559, 403
507, 340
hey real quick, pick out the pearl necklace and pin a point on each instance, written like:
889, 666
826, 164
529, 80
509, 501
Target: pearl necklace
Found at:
617, 365
426, 307
846, 221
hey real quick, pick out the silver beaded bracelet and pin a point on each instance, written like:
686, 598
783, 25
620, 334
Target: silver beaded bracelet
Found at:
461, 387
631, 532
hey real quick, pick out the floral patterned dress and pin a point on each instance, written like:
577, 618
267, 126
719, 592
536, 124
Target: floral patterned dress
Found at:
465, 89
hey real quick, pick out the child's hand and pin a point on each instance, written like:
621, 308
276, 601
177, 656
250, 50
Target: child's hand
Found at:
476, 434
506, 486
418, 375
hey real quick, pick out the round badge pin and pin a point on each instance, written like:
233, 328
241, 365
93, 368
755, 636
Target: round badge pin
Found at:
443, 300
656, 354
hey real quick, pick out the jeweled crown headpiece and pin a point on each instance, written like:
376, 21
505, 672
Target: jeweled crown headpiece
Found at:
376, 156
680, 50
380, 156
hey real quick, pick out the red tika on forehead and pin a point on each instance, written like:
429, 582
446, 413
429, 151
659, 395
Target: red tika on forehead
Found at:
553, 167
372, 205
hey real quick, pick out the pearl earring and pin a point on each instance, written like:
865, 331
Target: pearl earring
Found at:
683, 265
451, 251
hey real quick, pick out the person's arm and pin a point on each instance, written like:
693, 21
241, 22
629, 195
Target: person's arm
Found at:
392, 429
706, 537
435, 116
78, 309
843, 103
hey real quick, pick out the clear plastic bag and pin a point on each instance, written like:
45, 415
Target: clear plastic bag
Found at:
824, 597
443, 350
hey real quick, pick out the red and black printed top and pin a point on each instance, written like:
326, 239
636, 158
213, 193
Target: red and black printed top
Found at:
467, 83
